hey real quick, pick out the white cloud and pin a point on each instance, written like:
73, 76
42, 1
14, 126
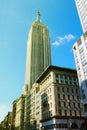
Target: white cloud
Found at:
4, 108
61, 40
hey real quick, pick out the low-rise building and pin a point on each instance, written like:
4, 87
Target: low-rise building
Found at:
6, 123
54, 101
19, 118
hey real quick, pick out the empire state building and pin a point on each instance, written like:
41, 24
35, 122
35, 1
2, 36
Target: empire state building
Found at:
38, 51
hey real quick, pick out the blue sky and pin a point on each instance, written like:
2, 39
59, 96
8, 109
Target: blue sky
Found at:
16, 17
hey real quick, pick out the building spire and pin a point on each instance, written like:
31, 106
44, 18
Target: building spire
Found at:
38, 16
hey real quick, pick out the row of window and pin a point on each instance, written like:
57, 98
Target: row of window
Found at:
69, 104
71, 113
66, 82
68, 90
65, 77
62, 125
69, 97
61, 112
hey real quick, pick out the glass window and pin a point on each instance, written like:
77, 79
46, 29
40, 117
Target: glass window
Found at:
67, 89
72, 90
65, 112
58, 89
64, 104
63, 89
59, 104
59, 96
80, 43
60, 113
63, 96
68, 96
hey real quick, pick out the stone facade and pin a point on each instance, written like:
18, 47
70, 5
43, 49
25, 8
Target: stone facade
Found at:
55, 96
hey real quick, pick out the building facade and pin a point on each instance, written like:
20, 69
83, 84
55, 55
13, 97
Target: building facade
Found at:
38, 51
19, 114
13, 114
54, 101
6, 123
80, 54
82, 12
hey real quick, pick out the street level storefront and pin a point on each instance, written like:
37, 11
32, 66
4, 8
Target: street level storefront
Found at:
64, 123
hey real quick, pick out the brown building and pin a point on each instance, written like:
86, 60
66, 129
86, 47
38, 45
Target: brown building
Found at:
54, 101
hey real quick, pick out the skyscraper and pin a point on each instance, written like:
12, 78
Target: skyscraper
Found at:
80, 51
80, 54
82, 12
38, 51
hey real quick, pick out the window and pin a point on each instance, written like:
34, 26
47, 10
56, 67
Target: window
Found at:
70, 82
68, 96
85, 68
59, 96
72, 90
65, 112
60, 113
63, 89
50, 113
82, 55
59, 104
75, 113
64, 104
80, 43
84, 61
84, 97
85, 107
58, 89
80, 113
77, 97
74, 104
63, 96
74, 126
69, 104
66, 82
79, 105
73, 97
76, 90
70, 113
62, 81
81, 50
67, 89
61, 76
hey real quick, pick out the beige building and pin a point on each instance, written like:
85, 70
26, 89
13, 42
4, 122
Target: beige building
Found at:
6, 123
13, 114
19, 118
82, 12
80, 54
54, 101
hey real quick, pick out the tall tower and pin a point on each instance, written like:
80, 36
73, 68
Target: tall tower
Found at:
82, 12
38, 51
80, 54
80, 51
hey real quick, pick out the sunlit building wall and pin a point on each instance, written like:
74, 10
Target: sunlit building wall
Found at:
82, 12
80, 54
